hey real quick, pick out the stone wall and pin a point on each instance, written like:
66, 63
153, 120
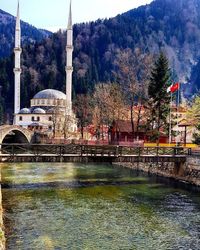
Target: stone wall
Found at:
2, 237
192, 170
188, 172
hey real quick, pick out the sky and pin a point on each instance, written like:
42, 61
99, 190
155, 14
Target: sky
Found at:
53, 14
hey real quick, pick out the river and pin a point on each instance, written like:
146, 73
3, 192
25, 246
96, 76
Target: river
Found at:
76, 206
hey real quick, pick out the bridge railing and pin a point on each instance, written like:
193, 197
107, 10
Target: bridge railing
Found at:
90, 150
156, 151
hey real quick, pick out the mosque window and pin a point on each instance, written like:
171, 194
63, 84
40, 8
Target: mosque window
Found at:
38, 101
38, 118
50, 118
43, 101
20, 118
32, 118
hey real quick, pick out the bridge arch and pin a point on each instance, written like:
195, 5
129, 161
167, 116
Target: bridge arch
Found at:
14, 134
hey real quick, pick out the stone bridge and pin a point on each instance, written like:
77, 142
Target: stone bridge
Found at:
14, 134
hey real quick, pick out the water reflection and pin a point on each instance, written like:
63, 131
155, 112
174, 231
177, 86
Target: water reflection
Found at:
74, 206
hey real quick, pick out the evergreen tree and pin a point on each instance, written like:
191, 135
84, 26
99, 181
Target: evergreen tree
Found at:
159, 98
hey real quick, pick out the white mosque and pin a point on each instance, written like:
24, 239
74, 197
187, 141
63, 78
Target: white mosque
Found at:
51, 110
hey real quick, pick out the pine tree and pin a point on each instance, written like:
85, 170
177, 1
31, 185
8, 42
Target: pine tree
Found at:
159, 98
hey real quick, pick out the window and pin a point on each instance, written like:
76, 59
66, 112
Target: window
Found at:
32, 119
20, 118
50, 127
38, 118
50, 118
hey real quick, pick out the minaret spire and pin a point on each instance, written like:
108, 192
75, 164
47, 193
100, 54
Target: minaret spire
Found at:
70, 16
69, 68
17, 69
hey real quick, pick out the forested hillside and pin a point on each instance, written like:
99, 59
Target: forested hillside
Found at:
168, 25
30, 34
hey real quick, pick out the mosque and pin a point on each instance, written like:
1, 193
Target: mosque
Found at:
50, 110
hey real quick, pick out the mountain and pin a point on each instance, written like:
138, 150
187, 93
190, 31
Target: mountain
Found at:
167, 25
30, 34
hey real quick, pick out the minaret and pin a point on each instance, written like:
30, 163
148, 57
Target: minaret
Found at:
17, 69
69, 68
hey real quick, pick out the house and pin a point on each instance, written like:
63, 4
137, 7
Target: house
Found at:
121, 132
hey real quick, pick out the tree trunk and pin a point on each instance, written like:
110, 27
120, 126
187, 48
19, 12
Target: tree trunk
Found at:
138, 118
82, 128
158, 140
132, 119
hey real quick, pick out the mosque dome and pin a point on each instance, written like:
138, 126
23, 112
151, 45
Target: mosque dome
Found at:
50, 111
50, 94
39, 111
25, 111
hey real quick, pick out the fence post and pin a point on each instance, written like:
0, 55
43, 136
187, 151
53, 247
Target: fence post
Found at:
12, 150
157, 151
139, 152
175, 152
81, 150
117, 151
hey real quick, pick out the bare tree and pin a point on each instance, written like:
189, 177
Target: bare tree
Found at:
84, 109
67, 123
133, 72
109, 105
55, 118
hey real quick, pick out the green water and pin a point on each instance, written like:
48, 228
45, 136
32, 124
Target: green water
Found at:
76, 206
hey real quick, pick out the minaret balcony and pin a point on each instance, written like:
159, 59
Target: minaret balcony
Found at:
69, 47
15, 70
18, 49
69, 68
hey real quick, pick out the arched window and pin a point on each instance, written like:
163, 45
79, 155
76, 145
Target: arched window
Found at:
38, 118
20, 118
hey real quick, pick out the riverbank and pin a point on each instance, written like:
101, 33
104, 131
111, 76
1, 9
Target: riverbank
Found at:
188, 172
2, 237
